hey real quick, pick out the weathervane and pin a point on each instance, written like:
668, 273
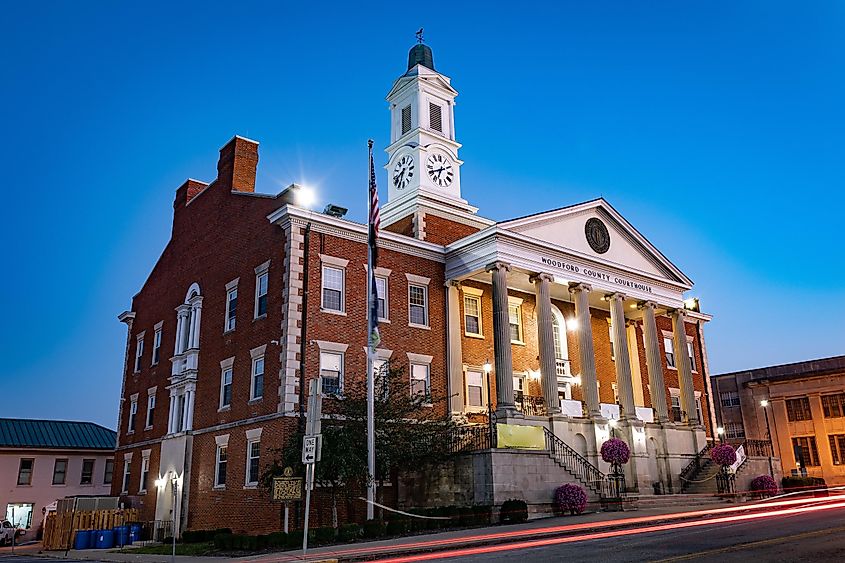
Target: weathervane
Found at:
420, 36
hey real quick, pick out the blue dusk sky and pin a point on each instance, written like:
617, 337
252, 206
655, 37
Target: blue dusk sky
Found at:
716, 128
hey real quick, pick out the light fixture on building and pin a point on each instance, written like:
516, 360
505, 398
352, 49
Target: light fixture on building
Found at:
633, 305
572, 324
612, 422
487, 367
764, 403
160, 482
333, 210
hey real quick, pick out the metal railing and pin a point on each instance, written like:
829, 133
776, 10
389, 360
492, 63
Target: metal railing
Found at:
694, 466
530, 405
758, 448
470, 438
576, 464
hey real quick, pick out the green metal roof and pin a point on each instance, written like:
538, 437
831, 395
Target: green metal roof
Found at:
58, 434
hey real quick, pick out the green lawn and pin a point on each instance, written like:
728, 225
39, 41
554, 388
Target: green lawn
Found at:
195, 549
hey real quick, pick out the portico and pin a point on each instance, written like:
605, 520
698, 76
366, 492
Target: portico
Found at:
582, 346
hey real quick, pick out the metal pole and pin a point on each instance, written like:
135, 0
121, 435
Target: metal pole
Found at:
489, 404
371, 426
309, 480
771, 446
175, 484
302, 386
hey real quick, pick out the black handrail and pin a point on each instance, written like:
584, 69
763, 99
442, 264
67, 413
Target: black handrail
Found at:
758, 448
575, 463
694, 466
470, 438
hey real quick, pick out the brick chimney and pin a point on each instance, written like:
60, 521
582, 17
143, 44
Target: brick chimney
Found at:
237, 164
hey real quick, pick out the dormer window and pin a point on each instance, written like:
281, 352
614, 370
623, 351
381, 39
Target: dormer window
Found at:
435, 117
406, 119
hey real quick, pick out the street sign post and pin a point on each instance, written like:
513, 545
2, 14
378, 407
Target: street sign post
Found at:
311, 447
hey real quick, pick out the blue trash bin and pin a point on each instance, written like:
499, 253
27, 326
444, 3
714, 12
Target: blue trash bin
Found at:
121, 535
83, 539
134, 533
105, 539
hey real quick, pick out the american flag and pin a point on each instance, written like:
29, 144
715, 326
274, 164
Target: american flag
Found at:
375, 220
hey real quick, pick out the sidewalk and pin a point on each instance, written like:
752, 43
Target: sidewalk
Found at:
425, 542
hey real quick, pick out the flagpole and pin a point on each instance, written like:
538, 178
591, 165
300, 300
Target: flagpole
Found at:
371, 426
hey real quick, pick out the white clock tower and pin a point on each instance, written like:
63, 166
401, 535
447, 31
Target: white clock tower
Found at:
423, 167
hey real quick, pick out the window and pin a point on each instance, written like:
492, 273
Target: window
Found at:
126, 475
25, 471
139, 352
151, 407
232, 306
472, 314
331, 369
157, 345
108, 472
145, 473
333, 289
806, 453
670, 352
734, 430
381, 291
418, 305
381, 375
60, 472
729, 398
798, 409
420, 381
406, 119
612, 343
515, 321
253, 457
837, 448
435, 117
133, 412
475, 388
222, 461
261, 294
518, 387
87, 476
699, 413
257, 378
833, 406
691, 353
226, 388
676, 408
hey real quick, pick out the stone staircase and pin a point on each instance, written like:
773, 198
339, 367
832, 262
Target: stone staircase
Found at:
575, 464
702, 481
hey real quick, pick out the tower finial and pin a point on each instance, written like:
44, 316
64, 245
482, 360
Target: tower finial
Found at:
420, 36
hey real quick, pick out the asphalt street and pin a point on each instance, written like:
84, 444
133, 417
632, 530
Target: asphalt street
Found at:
818, 536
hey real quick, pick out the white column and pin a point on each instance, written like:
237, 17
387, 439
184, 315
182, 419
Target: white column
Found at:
197, 318
456, 367
189, 409
684, 369
180, 320
545, 333
171, 415
621, 355
654, 363
586, 352
502, 342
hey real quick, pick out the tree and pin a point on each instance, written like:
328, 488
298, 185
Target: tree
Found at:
409, 434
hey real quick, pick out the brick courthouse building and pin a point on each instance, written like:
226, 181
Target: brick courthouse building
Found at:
582, 318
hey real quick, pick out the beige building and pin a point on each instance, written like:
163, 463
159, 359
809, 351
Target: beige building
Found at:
805, 406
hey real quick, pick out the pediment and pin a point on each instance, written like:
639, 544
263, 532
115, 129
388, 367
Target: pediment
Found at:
432, 78
627, 248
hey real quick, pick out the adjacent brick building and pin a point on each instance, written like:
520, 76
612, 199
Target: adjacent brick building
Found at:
215, 341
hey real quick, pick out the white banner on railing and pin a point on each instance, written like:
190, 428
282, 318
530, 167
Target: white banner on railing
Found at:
740, 458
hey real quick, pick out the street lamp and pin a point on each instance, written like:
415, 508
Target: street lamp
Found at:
487, 369
765, 403
721, 433
174, 481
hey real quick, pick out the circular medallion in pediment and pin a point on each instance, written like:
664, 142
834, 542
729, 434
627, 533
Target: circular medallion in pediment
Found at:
597, 235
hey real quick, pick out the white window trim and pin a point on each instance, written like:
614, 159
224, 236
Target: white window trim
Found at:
338, 264
139, 350
127, 467
484, 376
427, 325
133, 414
232, 285
257, 353
157, 336
418, 280
145, 460
227, 364
336, 348
671, 337
221, 441
383, 273
151, 395
419, 359
517, 302
252, 436
474, 294
260, 271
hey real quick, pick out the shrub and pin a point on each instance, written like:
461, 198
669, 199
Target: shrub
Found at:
294, 539
397, 526
373, 529
323, 535
483, 514
615, 451
466, 517
513, 511
764, 485
223, 542
723, 454
200, 536
796, 483
277, 539
570, 498
349, 532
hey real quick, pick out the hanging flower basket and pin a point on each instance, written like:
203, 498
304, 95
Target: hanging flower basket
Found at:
723, 455
570, 498
615, 451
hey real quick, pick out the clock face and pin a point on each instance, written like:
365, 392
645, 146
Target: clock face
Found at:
403, 172
439, 170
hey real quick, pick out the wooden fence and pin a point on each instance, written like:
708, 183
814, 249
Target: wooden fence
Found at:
59, 528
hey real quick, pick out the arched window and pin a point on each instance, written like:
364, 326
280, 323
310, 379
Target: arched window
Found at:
562, 366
